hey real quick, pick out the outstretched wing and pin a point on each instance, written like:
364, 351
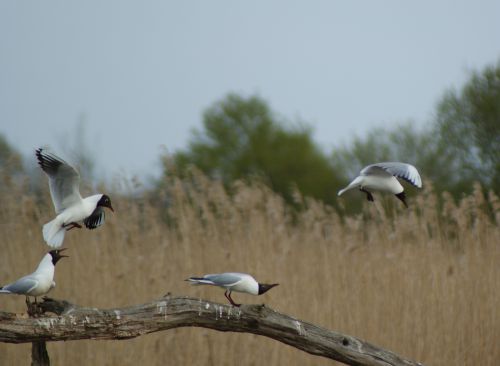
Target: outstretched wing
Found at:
96, 219
64, 180
401, 170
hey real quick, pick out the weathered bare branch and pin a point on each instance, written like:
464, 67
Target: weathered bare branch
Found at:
72, 322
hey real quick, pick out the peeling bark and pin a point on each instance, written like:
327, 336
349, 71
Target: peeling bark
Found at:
72, 322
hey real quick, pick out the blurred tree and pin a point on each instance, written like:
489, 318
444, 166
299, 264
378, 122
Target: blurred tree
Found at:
461, 146
468, 124
404, 143
242, 138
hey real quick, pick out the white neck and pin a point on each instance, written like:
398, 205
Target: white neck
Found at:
46, 264
93, 199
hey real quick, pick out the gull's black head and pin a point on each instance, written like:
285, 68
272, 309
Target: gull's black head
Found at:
105, 201
56, 255
265, 287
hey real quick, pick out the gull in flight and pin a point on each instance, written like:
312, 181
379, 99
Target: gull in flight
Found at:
39, 282
382, 177
70, 207
233, 281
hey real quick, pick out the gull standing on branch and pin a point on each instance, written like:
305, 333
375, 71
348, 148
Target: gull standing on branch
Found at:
70, 207
233, 281
39, 282
382, 177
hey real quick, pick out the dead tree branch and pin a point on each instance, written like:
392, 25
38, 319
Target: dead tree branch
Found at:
72, 322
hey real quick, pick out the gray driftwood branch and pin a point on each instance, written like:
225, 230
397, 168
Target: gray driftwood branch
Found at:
72, 322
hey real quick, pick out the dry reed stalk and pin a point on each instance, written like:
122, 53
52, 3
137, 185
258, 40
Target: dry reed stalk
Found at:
423, 282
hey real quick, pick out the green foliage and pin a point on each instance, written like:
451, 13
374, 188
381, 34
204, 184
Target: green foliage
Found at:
242, 138
461, 146
468, 124
404, 143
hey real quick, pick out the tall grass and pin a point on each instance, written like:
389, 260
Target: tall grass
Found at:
423, 282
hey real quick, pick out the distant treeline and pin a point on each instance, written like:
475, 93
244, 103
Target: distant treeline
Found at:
243, 139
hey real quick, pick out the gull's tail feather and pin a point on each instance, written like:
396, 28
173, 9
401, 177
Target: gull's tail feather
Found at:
53, 233
199, 281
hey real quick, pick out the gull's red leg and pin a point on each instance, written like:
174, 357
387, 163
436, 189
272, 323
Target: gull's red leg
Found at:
72, 225
231, 300
225, 294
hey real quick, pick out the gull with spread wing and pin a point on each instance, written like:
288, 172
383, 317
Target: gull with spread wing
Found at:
70, 207
383, 177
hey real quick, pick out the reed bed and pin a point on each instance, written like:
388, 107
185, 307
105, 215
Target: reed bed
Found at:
422, 282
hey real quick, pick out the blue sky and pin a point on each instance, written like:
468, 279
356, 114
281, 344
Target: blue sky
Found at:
140, 74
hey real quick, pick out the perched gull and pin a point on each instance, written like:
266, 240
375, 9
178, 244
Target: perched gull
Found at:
39, 282
382, 177
233, 281
71, 208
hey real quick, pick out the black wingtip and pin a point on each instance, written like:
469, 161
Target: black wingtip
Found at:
38, 153
402, 198
47, 162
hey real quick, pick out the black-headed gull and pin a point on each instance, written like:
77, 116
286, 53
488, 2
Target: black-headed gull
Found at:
382, 177
39, 282
233, 281
71, 208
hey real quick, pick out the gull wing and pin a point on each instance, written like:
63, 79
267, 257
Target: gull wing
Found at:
64, 180
96, 219
22, 286
224, 279
400, 170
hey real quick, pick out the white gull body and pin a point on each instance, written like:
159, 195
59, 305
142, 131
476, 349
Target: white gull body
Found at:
233, 281
70, 207
382, 177
39, 282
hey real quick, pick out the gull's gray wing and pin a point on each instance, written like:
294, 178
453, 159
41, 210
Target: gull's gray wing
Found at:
22, 286
224, 279
64, 180
401, 170
96, 219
